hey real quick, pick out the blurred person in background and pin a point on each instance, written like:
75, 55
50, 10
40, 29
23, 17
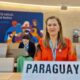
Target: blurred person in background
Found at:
28, 45
30, 48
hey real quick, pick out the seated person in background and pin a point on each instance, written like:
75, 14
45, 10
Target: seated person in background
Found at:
53, 46
28, 45
30, 48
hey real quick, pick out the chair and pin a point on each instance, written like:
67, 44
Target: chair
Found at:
78, 51
13, 46
3, 49
6, 64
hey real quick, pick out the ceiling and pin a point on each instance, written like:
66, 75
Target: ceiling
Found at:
48, 2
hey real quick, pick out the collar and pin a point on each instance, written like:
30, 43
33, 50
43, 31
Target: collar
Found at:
53, 46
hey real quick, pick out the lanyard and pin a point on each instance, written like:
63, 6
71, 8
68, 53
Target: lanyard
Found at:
26, 47
53, 48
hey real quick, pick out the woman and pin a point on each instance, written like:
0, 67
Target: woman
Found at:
28, 45
54, 47
30, 48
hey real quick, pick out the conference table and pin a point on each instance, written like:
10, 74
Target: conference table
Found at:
10, 76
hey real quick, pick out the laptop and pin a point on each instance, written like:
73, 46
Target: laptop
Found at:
17, 52
3, 50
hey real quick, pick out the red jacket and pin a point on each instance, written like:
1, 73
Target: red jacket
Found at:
66, 54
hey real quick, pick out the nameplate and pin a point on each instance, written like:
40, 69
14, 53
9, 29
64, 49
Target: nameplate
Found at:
51, 70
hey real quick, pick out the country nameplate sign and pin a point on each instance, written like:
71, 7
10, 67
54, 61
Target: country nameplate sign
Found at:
51, 70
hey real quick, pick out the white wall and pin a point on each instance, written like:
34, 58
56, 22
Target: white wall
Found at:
70, 18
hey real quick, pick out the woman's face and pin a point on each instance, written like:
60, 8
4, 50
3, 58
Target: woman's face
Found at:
53, 27
25, 41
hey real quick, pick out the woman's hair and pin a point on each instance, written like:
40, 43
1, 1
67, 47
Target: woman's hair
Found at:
60, 34
26, 37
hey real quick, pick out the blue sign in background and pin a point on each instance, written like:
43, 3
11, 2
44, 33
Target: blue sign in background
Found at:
6, 17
